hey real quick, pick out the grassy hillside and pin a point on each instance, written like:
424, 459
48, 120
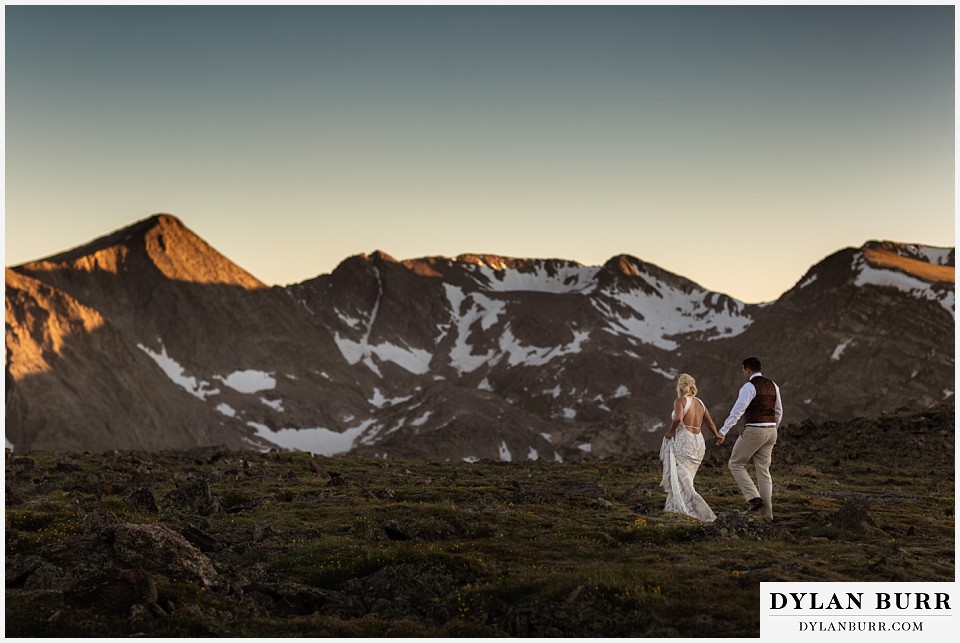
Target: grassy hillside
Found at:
210, 542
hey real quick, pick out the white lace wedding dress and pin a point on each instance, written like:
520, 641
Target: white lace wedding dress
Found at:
681, 457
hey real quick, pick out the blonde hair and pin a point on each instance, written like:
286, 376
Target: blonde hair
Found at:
686, 385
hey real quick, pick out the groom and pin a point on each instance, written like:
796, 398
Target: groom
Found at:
759, 404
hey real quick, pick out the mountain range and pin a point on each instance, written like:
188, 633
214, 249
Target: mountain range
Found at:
148, 338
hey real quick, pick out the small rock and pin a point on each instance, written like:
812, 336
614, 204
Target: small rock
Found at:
192, 610
286, 598
852, 517
394, 531
44, 577
64, 464
201, 539
143, 500
14, 496
196, 496
116, 592
22, 462
261, 532
19, 568
157, 611
201, 630
98, 520
205, 455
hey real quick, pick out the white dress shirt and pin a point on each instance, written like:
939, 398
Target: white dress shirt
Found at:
747, 392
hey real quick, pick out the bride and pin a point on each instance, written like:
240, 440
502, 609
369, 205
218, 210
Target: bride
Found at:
682, 452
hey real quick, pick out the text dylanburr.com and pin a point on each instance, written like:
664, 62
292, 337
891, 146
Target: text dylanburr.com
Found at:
845, 610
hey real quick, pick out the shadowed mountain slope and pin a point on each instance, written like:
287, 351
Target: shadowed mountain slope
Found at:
150, 338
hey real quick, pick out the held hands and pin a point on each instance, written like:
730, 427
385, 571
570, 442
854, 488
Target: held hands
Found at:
719, 439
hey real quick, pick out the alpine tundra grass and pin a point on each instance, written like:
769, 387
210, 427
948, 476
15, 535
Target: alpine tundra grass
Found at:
232, 543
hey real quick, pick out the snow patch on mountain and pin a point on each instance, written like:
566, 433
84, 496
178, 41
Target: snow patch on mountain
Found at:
809, 280
370, 437
867, 275
380, 401
532, 454
668, 311
352, 322
276, 405
838, 351
482, 308
355, 352
948, 301
314, 440
399, 425
226, 409
518, 354
568, 278
505, 455
671, 374
934, 255
413, 360
248, 381
178, 375
420, 421
622, 391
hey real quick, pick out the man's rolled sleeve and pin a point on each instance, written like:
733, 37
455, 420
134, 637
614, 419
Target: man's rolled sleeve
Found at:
747, 393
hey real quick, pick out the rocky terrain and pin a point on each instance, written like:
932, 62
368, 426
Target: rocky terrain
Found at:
148, 338
218, 542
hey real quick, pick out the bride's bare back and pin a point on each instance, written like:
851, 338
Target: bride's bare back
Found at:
696, 414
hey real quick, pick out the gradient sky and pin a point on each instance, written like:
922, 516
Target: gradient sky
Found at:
708, 140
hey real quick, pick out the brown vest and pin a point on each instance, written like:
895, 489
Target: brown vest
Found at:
762, 410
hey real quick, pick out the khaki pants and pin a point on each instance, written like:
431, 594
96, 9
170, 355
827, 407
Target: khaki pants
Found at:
755, 442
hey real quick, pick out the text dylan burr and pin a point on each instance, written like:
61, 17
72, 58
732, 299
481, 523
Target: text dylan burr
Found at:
855, 600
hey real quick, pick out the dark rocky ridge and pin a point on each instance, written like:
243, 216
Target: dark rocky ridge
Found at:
471, 357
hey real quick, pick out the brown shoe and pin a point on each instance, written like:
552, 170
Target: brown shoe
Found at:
755, 504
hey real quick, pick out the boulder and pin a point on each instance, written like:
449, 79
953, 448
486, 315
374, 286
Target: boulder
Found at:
115, 592
163, 551
195, 497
